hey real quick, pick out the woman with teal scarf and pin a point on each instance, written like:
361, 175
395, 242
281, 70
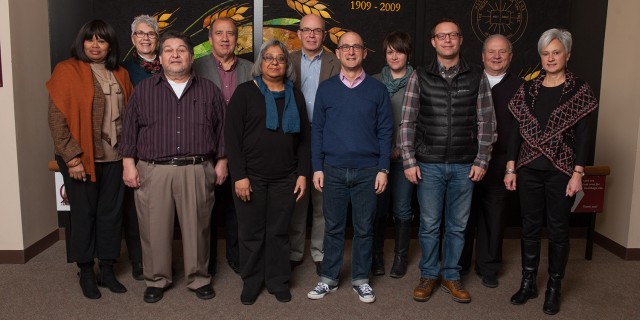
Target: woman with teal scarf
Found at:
397, 47
267, 139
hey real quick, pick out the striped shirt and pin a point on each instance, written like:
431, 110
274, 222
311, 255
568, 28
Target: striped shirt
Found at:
159, 126
486, 122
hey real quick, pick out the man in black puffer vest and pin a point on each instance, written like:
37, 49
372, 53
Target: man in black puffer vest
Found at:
447, 131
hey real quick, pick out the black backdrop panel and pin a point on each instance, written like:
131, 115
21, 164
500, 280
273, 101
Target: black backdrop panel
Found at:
521, 21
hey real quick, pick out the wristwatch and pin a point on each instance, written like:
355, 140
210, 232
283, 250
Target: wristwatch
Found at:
385, 171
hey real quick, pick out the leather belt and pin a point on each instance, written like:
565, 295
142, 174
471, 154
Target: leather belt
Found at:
182, 161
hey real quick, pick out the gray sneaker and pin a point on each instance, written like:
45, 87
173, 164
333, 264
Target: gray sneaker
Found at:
365, 293
320, 291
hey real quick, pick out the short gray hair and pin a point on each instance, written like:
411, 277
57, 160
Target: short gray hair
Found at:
257, 66
146, 19
562, 35
497, 36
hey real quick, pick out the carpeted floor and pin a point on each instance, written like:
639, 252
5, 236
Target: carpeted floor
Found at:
47, 288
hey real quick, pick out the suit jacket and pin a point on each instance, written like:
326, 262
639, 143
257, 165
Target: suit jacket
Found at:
330, 66
206, 68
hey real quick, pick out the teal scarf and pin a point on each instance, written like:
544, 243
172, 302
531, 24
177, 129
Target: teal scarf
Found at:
290, 116
393, 85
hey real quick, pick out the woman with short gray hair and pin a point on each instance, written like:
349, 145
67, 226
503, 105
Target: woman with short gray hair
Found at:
555, 116
144, 61
268, 144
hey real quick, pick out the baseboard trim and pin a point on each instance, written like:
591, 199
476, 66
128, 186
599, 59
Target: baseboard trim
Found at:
616, 248
22, 256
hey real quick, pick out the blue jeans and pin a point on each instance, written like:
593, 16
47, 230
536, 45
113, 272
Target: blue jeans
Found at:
340, 186
445, 184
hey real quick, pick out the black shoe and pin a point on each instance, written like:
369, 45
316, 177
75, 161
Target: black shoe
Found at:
107, 277
490, 281
111, 283
318, 267
136, 271
234, 266
88, 284
205, 292
153, 294
283, 296
248, 299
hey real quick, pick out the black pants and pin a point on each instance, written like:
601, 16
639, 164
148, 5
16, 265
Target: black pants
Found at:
131, 229
486, 225
263, 225
96, 212
225, 208
542, 194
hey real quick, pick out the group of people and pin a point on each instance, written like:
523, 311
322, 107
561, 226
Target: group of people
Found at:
163, 135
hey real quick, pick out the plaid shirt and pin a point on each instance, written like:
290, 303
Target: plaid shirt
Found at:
487, 134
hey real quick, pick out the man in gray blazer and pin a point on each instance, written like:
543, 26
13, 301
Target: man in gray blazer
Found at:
313, 64
227, 71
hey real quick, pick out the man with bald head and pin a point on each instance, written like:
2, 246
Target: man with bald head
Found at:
488, 203
351, 145
313, 64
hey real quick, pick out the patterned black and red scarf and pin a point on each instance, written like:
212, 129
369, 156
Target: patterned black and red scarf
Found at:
150, 67
556, 141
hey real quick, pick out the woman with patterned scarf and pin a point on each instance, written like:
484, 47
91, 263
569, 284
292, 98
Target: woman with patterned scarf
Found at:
144, 61
555, 118
397, 47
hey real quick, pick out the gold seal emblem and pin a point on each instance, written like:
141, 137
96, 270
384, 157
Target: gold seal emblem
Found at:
507, 17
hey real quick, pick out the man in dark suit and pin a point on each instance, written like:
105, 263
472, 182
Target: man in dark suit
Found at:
313, 64
490, 197
227, 71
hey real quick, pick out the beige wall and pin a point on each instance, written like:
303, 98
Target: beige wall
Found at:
27, 192
618, 140
10, 217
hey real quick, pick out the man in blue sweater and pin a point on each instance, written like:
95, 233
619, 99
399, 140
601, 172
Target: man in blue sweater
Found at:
351, 144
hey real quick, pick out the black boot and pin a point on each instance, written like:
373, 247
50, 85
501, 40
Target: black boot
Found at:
403, 230
552, 295
88, 280
530, 252
107, 277
377, 264
558, 256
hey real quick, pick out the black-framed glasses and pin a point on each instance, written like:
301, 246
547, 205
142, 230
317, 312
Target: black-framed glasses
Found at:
451, 35
308, 31
270, 59
142, 34
355, 47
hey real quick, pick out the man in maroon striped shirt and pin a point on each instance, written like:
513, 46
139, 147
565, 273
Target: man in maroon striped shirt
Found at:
173, 126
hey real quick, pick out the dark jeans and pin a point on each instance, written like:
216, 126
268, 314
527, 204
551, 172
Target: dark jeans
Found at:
342, 185
96, 212
263, 233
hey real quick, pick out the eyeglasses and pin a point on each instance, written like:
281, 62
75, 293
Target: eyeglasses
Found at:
451, 35
141, 34
355, 47
270, 59
307, 31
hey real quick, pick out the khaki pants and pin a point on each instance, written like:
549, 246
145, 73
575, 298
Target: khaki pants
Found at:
165, 190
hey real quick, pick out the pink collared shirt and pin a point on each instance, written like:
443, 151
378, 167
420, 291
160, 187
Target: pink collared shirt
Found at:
358, 80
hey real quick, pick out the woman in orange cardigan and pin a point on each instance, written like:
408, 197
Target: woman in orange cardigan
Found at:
87, 94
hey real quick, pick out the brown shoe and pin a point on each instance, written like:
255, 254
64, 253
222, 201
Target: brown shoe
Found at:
424, 289
457, 290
